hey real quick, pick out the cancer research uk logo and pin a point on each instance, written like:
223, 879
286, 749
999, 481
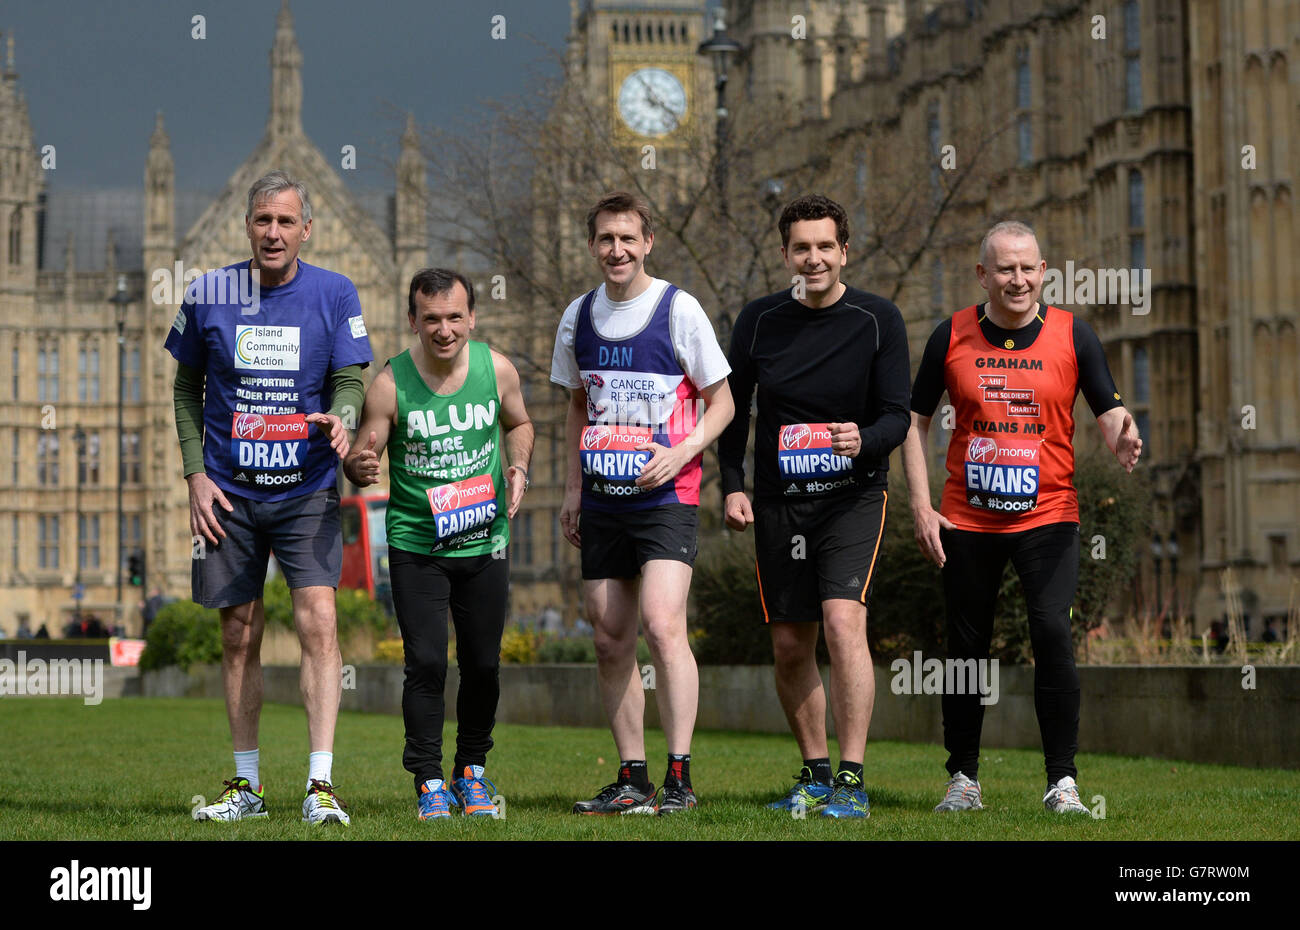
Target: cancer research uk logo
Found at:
23, 677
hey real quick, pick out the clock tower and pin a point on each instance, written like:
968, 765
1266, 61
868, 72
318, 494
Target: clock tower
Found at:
639, 59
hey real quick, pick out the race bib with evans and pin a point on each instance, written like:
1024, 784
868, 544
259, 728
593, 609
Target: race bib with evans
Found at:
268, 451
1002, 474
463, 507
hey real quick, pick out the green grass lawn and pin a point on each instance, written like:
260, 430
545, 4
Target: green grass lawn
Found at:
129, 770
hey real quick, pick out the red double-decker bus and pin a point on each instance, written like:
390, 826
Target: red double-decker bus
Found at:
365, 546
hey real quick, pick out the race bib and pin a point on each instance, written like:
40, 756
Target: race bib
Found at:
463, 507
609, 457
268, 452
803, 452
1002, 474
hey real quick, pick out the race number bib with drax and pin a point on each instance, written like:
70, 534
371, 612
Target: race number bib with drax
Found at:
268, 451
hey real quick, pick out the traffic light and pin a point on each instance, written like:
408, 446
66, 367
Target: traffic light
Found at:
135, 568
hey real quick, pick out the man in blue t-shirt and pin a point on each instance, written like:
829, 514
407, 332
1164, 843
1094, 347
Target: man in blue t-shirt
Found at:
267, 349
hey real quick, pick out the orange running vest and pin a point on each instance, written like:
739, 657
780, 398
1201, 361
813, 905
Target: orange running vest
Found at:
1011, 456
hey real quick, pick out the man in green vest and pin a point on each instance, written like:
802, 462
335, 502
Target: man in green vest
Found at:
443, 411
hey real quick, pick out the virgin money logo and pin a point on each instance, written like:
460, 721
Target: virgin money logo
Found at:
250, 426
446, 498
982, 449
597, 437
798, 436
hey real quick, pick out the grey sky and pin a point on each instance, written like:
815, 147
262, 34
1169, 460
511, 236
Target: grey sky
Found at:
95, 71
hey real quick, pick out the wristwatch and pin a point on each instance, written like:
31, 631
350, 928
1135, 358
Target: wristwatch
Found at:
527, 483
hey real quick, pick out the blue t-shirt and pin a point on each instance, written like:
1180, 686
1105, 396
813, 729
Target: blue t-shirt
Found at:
267, 363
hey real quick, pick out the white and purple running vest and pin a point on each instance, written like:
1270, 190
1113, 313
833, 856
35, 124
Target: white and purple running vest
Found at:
637, 392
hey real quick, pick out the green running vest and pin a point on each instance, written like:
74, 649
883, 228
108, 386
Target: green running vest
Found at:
447, 495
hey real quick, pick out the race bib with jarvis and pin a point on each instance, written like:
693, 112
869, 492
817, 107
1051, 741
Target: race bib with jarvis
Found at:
1002, 474
805, 461
266, 365
609, 455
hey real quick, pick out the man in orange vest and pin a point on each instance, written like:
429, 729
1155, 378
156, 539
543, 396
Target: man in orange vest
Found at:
1012, 368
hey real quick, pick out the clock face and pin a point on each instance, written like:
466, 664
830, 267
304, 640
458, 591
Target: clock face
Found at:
651, 101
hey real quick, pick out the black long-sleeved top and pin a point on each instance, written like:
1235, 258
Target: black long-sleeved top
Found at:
844, 363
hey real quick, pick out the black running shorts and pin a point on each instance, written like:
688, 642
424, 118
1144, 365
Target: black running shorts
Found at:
617, 545
811, 551
301, 532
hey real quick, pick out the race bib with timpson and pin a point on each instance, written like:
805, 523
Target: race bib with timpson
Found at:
806, 463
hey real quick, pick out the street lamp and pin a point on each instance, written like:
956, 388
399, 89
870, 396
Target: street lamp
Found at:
721, 48
120, 300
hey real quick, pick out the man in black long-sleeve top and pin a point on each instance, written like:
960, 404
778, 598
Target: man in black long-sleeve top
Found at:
831, 367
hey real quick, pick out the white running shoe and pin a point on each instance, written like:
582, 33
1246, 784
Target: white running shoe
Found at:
962, 795
322, 805
238, 802
1063, 798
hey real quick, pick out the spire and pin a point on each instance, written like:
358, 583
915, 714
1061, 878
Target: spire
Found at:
412, 192
286, 77
159, 184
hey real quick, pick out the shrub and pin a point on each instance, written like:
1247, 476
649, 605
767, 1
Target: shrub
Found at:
355, 609
184, 634
518, 647
728, 616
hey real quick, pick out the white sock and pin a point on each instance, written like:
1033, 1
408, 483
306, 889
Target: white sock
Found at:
318, 767
246, 767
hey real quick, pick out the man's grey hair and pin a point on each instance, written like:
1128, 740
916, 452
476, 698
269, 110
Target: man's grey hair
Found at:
1006, 227
267, 186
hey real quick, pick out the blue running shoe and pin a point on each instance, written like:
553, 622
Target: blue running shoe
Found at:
807, 793
471, 792
847, 799
435, 800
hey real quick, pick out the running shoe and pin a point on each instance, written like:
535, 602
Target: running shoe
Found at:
847, 798
962, 795
322, 805
676, 796
807, 794
435, 800
1063, 798
619, 798
470, 792
238, 802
